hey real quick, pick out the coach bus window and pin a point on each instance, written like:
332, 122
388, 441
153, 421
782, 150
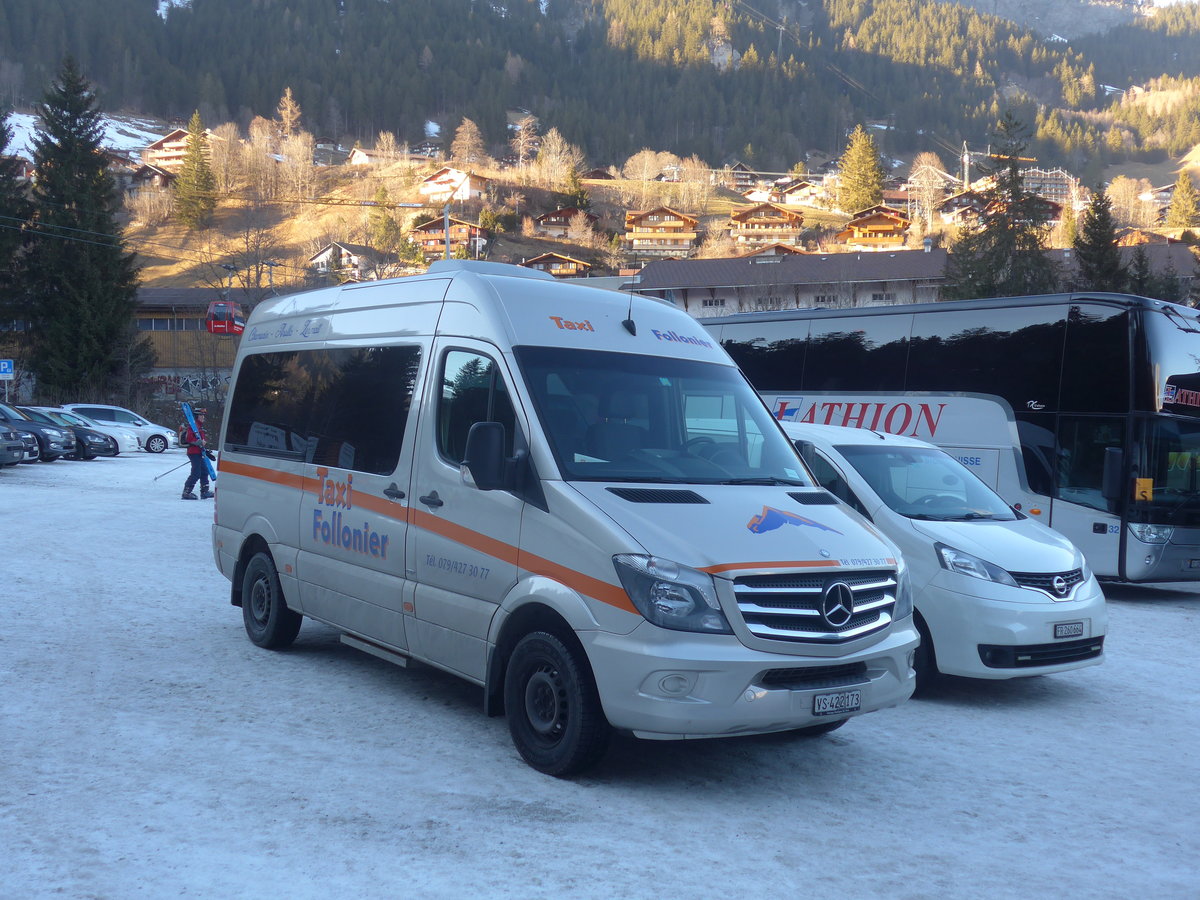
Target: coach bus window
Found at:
1013, 352
1172, 380
1095, 374
865, 353
770, 354
1171, 464
1082, 442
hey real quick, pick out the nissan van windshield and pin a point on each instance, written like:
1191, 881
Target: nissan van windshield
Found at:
630, 417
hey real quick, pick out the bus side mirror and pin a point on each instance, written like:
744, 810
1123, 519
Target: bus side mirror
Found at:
1113, 479
484, 458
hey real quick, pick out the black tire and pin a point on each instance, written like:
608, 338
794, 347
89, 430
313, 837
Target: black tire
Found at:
924, 661
818, 730
269, 623
156, 443
554, 712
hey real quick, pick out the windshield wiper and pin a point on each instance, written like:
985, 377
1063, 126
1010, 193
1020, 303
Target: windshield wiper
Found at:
791, 482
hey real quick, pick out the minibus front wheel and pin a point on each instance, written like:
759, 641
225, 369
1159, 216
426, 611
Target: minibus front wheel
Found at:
269, 623
554, 713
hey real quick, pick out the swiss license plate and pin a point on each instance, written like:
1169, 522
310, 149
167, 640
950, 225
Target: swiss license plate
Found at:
1194, 563
837, 702
1068, 629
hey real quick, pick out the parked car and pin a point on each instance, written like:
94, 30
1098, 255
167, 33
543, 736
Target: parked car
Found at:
89, 443
12, 448
31, 445
155, 438
53, 441
998, 594
127, 440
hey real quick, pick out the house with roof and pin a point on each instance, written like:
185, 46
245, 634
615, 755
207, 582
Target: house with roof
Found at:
558, 223
448, 184
797, 192
741, 177
766, 223
190, 363
170, 149
346, 261
878, 228
714, 287
559, 265
431, 238
148, 177
660, 232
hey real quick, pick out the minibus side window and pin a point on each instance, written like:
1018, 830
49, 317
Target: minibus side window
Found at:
831, 479
472, 391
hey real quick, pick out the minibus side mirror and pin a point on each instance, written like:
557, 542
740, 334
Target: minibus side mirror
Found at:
484, 458
1113, 478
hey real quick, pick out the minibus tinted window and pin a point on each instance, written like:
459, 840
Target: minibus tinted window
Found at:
472, 391
628, 417
344, 408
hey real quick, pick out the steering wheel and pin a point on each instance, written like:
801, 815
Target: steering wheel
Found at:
702, 445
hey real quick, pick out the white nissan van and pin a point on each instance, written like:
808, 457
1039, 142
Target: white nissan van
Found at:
998, 594
514, 480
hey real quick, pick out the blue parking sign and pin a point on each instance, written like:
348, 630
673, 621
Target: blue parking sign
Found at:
6, 370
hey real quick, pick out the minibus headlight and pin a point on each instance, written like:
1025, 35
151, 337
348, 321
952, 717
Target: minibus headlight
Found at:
670, 595
904, 597
966, 564
1151, 534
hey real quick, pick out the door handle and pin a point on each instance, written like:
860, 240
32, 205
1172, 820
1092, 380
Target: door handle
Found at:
393, 492
431, 499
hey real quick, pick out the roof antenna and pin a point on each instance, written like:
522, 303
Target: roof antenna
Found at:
629, 324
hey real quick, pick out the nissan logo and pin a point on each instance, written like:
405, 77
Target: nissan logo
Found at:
837, 606
1060, 585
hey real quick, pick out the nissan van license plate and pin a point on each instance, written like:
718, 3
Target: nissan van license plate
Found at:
835, 703
1068, 629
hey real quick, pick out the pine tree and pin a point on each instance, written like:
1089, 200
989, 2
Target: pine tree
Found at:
860, 175
1003, 254
1184, 211
14, 210
1097, 257
1140, 277
78, 282
384, 230
195, 186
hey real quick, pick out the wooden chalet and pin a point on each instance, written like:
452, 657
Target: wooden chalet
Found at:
741, 177
764, 224
559, 265
169, 150
448, 184
558, 223
877, 228
431, 238
597, 175
350, 262
660, 232
797, 192
150, 178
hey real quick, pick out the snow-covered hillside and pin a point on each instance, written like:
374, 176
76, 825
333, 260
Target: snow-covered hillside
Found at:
127, 133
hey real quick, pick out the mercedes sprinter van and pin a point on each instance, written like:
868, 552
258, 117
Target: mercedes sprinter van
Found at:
516, 480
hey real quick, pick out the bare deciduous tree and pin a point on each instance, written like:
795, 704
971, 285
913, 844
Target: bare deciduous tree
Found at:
928, 181
261, 167
386, 146
467, 149
557, 160
289, 114
1128, 207
224, 151
297, 165
644, 167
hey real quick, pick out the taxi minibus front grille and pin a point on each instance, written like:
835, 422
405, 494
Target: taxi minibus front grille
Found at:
1044, 582
813, 678
795, 606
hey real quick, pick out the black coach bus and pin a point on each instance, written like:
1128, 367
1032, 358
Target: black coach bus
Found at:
1080, 409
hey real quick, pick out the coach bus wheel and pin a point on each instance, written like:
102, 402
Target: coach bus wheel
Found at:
269, 622
554, 712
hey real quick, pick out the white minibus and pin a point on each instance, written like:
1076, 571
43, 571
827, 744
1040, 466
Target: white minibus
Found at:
997, 593
513, 480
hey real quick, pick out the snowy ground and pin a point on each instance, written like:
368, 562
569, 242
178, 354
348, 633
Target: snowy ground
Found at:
126, 133
147, 749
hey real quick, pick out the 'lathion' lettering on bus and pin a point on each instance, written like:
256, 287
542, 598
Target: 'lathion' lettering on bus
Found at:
912, 419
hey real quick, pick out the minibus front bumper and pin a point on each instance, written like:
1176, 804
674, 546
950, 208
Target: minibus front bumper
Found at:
671, 685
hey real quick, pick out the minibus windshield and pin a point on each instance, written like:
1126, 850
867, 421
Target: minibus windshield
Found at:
926, 483
628, 417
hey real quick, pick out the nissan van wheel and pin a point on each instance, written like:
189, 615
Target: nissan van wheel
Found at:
156, 444
554, 712
924, 660
269, 622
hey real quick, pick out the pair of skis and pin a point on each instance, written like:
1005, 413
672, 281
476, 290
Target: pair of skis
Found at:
191, 420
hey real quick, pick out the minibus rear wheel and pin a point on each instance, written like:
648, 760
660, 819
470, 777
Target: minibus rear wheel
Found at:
269, 623
554, 713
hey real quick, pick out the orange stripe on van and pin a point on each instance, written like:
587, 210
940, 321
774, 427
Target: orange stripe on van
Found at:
261, 474
774, 564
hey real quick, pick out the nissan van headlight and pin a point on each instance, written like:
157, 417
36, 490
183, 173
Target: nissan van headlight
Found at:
904, 596
670, 595
1151, 534
966, 564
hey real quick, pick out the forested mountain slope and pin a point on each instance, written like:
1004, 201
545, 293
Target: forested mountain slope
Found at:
766, 81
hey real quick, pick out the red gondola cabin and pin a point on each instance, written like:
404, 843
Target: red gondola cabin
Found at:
225, 317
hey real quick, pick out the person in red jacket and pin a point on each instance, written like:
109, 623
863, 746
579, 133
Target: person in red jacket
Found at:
196, 441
